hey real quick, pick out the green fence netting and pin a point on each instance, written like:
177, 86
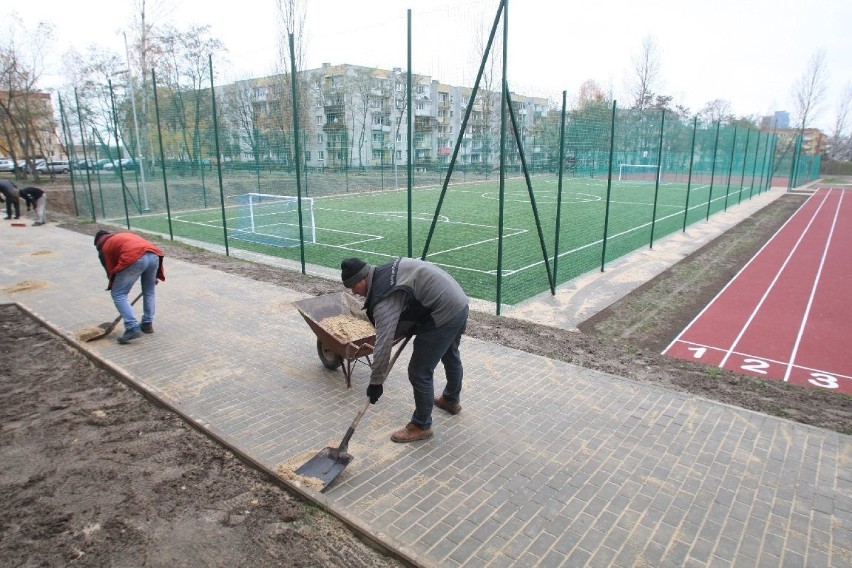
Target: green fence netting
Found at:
154, 157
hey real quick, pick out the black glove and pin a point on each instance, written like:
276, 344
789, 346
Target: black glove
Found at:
374, 392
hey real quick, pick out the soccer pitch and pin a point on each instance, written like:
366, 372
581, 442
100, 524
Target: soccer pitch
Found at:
375, 226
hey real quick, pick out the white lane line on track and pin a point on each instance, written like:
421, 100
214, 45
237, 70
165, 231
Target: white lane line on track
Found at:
814, 288
732, 280
771, 286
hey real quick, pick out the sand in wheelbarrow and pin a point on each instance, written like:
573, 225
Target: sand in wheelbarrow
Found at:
348, 328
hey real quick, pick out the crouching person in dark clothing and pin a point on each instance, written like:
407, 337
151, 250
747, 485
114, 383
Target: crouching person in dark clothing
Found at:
408, 297
35, 199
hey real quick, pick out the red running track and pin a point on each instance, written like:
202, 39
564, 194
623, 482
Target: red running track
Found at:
787, 315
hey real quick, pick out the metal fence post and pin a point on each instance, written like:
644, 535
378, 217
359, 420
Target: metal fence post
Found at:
713, 171
608, 185
218, 156
657, 180
689, 177
162, 154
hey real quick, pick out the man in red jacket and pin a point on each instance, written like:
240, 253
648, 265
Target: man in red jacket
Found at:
127, 257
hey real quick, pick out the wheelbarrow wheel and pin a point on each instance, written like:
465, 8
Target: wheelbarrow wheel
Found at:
329, 358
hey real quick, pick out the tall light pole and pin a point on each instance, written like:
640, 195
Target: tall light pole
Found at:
139, 157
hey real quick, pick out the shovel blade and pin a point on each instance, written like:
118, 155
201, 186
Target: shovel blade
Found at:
325, 466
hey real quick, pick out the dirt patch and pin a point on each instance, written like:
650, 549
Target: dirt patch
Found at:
96, 475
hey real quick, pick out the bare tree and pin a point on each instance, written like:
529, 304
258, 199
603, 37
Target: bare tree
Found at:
716, 110
644, 76
87, 77
361, 98
27, 126
186, 72
486, 123
291, 15
809, 91
840, 121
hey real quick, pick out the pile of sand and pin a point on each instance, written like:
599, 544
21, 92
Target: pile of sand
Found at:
88, 333
348, 328
285, 472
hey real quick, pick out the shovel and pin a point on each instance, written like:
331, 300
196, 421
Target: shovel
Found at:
329, 462
108, 326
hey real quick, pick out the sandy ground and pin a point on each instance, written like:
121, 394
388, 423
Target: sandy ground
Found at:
94, 474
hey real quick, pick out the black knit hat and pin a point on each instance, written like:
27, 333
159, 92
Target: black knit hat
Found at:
352, 270
100, 234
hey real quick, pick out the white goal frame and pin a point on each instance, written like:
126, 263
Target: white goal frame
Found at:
655, 167
257, 201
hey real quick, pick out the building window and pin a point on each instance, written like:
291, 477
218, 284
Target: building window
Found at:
321, 155
319, 136
319, 121
307, 155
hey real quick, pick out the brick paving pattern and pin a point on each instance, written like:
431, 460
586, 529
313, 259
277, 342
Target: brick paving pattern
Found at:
549, 464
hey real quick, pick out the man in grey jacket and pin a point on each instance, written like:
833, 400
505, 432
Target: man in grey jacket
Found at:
412, 297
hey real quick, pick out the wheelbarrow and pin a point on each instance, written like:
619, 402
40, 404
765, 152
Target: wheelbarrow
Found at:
335, 351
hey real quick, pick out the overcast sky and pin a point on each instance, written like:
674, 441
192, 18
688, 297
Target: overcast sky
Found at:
748, 52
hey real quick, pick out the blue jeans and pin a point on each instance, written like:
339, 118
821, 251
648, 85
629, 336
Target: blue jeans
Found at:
144, 269
432, 345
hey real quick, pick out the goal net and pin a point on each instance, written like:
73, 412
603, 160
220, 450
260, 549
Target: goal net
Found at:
638, 172
273, 220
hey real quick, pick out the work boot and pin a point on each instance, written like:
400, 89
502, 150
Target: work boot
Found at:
444, 404
411, 433
37, 223
129, 335
147, 327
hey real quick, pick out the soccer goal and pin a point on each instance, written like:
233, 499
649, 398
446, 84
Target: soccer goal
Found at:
638, 172
273, 220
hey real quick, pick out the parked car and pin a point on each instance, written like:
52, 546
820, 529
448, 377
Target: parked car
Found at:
87, 164
7, 165
126, 164
53, 167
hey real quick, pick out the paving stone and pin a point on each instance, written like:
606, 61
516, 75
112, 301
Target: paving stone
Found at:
600, 469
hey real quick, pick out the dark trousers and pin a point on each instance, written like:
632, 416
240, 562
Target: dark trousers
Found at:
431, 346
16, 203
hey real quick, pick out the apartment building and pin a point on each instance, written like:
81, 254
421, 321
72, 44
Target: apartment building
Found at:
357, 117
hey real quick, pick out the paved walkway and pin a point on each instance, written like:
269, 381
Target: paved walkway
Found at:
549, 464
